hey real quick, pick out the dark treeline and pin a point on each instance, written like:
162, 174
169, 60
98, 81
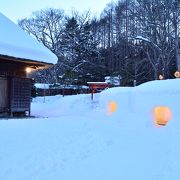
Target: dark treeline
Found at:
135, 39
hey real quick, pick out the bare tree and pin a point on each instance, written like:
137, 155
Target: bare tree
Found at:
47, 27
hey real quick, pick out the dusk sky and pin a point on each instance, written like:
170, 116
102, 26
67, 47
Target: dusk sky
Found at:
18, 9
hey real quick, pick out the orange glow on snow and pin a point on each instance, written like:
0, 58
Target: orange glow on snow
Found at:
162, 115
112, 107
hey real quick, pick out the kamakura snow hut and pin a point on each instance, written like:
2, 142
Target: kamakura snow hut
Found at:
18, 51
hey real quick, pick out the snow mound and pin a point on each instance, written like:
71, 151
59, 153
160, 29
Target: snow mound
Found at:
139, 102
164, 86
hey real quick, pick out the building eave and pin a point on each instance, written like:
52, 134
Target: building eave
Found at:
28, 62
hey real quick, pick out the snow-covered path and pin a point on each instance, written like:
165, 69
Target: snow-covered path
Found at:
86, 148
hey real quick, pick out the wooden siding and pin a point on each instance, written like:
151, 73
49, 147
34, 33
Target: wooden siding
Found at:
10, 68
20, 94
3, 94
15, 88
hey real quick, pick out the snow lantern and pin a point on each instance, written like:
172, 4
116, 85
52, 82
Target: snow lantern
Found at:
162, 115
177, 74
112, 107
161, 77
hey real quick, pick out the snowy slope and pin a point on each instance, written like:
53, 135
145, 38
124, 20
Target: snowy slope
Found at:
74, 138
140, 101
17, 43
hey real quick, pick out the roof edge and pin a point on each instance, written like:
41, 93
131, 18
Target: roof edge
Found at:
39, 64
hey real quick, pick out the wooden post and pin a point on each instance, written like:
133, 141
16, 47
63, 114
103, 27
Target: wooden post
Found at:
92, 93
44, 94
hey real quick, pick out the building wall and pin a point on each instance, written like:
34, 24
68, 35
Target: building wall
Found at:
15, 88
12, 68
3, 94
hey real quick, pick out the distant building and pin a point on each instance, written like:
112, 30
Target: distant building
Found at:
59, 89
113, 80
19, 54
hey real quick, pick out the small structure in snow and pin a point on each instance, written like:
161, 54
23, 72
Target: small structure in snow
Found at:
19, 54
59, 89
113, 80
94, 86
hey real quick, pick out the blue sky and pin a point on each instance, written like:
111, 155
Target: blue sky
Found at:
17, 9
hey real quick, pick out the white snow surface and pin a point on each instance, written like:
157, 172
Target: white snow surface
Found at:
73, 138
17, 43
42, 85
96, 82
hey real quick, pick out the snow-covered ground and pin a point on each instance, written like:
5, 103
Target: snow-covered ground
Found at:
74, 138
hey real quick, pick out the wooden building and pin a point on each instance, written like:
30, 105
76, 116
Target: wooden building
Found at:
19, 52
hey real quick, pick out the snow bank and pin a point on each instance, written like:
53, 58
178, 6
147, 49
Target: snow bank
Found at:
132, 102
160, 86
139, 102
57, 106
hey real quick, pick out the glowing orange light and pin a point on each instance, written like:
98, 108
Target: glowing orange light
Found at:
28, 70
162, 115
161, 77
112, 107
177, 74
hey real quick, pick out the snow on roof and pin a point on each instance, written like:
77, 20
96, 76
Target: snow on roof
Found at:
17, 43
96, 82
42, 86
114, 80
